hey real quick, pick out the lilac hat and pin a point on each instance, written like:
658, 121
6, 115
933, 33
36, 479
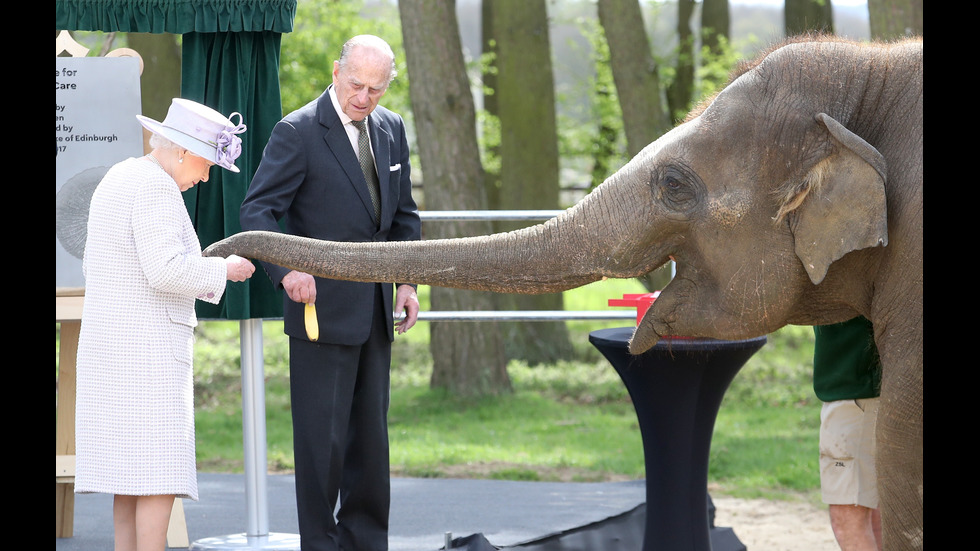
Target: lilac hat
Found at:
201, 130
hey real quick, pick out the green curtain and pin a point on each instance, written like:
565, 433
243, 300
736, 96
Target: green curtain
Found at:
230, 62
230, 72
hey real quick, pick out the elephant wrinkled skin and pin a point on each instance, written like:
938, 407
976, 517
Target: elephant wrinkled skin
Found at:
794, 196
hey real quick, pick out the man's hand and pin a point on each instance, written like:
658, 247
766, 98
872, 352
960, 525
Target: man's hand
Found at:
406, 301
299, 287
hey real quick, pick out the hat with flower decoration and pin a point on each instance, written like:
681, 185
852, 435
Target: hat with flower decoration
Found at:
201, 130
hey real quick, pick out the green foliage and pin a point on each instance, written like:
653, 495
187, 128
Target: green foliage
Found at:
599, 144
320, 28
489, 142
780, 374
488, 123
608, 150
712, 73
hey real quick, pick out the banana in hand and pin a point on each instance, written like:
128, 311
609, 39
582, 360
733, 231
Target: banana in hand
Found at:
312, 328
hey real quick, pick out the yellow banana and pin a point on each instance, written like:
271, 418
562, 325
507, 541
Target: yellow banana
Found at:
312, 328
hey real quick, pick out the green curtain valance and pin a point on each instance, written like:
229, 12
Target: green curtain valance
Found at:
175, 16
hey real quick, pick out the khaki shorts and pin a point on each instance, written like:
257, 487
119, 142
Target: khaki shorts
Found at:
847, 452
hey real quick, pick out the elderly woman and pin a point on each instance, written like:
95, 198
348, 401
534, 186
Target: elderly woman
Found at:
143, 271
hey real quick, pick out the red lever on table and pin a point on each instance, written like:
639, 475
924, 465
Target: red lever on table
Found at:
641, 301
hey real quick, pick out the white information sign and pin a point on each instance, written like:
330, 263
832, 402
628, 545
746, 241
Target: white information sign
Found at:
98, 99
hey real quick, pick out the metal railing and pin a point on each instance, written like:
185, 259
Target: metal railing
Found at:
523, 315
510, 315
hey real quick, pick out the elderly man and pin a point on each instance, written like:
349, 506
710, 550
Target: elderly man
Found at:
338, 169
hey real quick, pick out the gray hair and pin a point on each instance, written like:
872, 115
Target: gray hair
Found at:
368, 41
160, 142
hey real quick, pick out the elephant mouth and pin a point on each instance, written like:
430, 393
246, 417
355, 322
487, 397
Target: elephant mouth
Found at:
662, 317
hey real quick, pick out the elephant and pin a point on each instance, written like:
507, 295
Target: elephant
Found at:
791, 196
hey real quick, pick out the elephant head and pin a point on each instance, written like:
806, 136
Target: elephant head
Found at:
793, 196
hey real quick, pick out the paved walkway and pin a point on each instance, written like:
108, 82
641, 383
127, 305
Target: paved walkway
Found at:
422, 512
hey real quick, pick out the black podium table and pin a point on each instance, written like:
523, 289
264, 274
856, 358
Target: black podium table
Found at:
676, 387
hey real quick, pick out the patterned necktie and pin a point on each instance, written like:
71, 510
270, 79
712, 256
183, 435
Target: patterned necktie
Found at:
367, 167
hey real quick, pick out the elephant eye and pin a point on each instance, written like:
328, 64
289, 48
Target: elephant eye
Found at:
677, 191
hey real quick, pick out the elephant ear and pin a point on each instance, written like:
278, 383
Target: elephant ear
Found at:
840, 206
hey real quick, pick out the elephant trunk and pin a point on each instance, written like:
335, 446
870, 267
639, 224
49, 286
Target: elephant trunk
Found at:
582, 245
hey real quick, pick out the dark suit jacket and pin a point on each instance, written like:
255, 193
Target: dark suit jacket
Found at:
310, 179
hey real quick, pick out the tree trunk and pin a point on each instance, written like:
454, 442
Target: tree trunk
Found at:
160, 81
680, 89
467, 358
525, 100
891, 19
634, 72
802, 16
637, 85
715, 24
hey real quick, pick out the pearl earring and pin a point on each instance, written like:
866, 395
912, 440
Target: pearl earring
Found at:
180, 160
